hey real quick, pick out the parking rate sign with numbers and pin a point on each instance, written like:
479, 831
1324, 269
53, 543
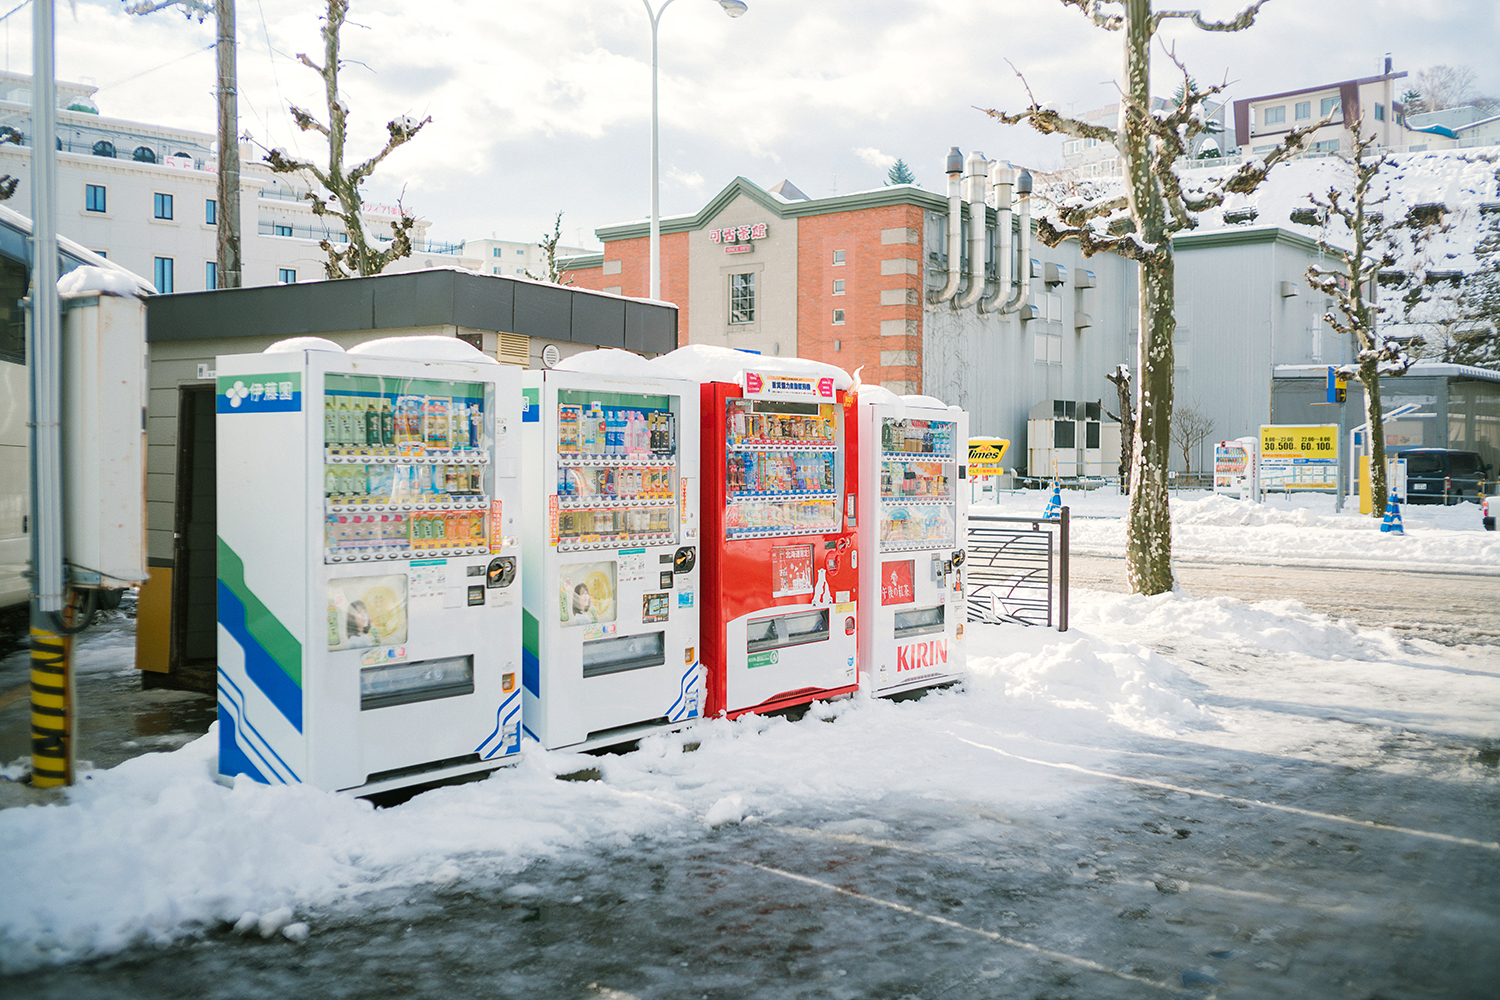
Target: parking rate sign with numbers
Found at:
1299, 457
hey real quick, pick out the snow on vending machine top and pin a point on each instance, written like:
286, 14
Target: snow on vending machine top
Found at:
779, 518
913, 521
369, 614
611, 525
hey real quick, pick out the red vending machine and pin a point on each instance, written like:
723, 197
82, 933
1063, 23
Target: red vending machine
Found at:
780, 617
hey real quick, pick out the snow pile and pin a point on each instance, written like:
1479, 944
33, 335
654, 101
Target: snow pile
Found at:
1226, 511
427, 347
106, 281
706, 363
1126, 684
609, 361
295, 345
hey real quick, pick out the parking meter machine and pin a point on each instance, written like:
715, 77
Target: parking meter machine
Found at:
912, 528
369, 617
611, 543
781, 582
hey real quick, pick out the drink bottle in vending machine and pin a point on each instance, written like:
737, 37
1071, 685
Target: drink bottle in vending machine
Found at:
368, 550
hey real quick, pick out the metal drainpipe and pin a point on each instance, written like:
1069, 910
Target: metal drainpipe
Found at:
1023, 278
1001, 179
978, 232
955, 168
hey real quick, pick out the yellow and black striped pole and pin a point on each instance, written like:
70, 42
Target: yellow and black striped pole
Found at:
51, 709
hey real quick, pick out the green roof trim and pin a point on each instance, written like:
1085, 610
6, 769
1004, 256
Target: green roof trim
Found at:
581, 261
901, 194
1244, 237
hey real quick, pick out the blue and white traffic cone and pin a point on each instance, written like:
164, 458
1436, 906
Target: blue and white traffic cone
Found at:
1392, 520
1054, 506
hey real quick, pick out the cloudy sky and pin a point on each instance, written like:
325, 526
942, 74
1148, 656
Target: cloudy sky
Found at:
541, 106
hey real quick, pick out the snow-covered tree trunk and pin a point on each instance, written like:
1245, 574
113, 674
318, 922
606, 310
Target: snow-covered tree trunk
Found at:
1140, 225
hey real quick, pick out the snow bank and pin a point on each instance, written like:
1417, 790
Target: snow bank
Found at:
704, 363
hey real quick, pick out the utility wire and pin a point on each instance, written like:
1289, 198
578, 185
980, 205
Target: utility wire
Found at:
153, 69
17, 7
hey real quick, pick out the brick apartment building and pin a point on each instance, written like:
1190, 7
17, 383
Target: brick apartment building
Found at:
834, 279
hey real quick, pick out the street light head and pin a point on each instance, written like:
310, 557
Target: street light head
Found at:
734, 8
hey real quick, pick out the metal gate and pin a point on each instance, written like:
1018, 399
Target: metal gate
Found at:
1017, 570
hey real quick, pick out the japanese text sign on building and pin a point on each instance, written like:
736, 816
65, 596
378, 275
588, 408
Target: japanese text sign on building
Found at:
767, 385
739, 234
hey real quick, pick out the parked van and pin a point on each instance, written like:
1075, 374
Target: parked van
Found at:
1444, 475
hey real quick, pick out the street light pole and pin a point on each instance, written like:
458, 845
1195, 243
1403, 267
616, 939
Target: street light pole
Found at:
734, 8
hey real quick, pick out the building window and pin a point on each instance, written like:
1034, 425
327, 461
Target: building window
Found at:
210, 212
163, 205
742, 298
838, 317
163, 275
210, 275
838, 258
520, 253
143, 154
104, 148
1380, 112
280, 230
1304, 110
101, 253
838, 345
1328, 106
496, 252
838, 286
1326, 146
94, 198
1275, 116
494, 270
286, 275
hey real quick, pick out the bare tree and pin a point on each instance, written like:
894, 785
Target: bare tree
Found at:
1121, 378
1445, 87
1139, 225
1190, 428
343, 200
1353, 289
549, 244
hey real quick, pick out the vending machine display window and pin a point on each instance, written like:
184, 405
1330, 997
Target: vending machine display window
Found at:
406, 683
366, 611
406, 468
617, 478
782, 470
625, 652
917, 480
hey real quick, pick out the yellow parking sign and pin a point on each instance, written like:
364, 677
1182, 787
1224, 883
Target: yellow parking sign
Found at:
985, 456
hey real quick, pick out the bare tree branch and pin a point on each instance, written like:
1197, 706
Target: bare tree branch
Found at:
1239, 22
1093, 10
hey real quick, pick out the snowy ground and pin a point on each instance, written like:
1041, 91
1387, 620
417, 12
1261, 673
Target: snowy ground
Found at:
1178, 795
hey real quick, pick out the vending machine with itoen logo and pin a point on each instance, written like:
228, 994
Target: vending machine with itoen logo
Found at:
913, 523
368, 521
781, 585
611, 542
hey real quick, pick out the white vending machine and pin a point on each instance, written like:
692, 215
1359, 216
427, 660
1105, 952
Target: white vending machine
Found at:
913, 523
611, 545
368, 562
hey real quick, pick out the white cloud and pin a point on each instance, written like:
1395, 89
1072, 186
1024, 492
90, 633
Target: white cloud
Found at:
540, 105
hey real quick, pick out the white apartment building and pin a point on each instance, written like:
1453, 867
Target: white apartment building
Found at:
146, 197
1262, 122
1452, 128
1085, 158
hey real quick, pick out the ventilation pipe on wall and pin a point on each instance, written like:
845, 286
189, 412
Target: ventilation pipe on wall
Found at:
1002, 303
978, 181
955, 169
